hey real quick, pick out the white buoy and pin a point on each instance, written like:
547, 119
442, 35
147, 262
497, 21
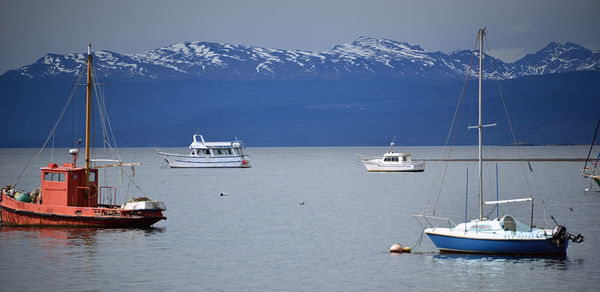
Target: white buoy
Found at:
397, 248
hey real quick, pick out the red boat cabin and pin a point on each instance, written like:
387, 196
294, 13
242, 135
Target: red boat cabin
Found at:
68, 186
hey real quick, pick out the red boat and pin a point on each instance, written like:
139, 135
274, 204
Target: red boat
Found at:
70, 195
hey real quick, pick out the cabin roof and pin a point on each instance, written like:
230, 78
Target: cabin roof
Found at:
395, 154
63, 167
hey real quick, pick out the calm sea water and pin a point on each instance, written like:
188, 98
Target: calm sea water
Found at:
260, 237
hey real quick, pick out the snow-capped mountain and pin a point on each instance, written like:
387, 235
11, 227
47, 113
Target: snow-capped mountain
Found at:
558, 58
365, 56
358, 93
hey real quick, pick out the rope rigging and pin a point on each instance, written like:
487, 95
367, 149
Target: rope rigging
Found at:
108, 137
52, 132
106, 130
442, 171
450, 139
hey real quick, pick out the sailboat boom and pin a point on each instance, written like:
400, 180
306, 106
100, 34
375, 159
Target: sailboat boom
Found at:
507, 201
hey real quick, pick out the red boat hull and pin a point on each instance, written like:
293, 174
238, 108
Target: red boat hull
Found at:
15, 213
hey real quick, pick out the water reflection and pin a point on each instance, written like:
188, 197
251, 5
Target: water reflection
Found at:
491, 261
57, 238
79, 256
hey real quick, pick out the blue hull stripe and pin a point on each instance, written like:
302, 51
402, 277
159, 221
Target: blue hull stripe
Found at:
515, 246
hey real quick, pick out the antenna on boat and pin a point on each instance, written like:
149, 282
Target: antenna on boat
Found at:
392, 144
75, 152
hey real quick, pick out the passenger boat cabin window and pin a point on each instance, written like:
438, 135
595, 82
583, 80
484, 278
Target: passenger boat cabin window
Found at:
92, 177
201, 152
223, 151
54, 176
391, 158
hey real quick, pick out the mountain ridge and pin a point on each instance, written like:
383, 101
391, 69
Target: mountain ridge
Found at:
365, 56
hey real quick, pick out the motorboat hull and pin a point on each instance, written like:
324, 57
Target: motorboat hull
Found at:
455, 244
377, 166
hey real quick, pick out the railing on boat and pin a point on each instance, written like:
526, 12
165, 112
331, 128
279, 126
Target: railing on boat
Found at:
112, 195
427, 218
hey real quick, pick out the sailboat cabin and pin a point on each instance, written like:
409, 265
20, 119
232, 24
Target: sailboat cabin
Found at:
67, 185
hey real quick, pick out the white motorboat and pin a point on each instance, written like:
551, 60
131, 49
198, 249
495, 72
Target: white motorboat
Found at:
209, 155
393, 162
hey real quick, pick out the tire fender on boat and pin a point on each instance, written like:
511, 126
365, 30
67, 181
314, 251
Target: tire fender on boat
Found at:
93, 191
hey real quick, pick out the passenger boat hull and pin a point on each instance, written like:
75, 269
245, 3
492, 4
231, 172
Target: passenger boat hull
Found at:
188, 161
15, 213
453, 244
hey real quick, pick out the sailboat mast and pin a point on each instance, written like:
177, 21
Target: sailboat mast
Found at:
88, 107
480, 126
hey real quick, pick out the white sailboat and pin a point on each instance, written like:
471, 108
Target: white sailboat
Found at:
502, 235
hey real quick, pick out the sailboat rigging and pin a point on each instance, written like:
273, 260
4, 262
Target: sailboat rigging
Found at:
591, 171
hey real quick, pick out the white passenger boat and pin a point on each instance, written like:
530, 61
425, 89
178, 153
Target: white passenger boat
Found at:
209, 155
393, 162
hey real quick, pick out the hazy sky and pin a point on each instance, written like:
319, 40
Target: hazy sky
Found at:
31, 28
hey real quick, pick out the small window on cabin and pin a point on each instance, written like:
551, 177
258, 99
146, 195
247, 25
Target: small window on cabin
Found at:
53, 176
92, 177
481, 227
206, 151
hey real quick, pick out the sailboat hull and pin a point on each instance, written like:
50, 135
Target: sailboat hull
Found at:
453, 244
